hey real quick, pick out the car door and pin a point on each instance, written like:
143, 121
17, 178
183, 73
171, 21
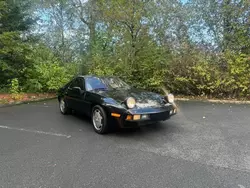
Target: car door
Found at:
68, 95
84, 102
81, 103
75, 94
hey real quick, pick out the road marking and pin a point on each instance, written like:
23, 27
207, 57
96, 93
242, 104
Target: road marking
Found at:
34, 131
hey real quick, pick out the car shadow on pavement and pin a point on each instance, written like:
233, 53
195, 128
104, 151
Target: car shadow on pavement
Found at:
159, 128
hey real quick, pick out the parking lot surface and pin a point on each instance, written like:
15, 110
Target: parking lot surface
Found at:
205, 145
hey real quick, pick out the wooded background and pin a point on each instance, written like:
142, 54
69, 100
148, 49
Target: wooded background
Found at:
192, 47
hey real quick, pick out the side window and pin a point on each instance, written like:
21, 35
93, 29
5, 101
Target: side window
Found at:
73, 84
78, 82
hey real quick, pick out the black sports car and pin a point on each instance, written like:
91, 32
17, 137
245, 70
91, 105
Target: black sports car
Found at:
110, 101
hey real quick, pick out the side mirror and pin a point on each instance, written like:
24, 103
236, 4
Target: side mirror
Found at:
78, 90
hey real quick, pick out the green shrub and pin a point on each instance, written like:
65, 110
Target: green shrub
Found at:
4, 89
51, 76
223, 75
48, 73
15, 89
33, 85
238, 73
14, 86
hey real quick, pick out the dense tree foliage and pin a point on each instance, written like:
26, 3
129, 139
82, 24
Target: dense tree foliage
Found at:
23, 60
13, 49
195, 47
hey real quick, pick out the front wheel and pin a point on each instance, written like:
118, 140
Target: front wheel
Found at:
63, 107
99, 120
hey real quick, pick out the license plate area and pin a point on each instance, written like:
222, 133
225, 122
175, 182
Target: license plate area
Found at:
160, 116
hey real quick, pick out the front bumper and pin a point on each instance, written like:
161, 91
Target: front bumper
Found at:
152, 114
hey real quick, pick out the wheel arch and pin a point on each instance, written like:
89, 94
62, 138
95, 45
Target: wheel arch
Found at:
101, 105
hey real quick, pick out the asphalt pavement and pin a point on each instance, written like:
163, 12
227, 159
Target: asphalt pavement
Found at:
205, 145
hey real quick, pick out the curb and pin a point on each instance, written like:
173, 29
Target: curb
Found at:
214, 101
26, 102
177, 99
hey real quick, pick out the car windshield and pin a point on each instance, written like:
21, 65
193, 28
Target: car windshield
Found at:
115, 83
95, 83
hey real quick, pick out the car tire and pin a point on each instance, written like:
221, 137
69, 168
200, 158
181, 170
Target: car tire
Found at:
64, 109
99, 120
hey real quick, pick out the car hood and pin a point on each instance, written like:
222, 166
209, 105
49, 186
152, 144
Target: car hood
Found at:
143, 98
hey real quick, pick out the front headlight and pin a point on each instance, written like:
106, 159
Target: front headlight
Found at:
170, 98
130, 102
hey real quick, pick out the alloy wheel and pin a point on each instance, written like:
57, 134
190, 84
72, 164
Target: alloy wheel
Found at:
97, 119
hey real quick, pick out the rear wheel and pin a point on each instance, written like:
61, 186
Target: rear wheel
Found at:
63, 107
99, 120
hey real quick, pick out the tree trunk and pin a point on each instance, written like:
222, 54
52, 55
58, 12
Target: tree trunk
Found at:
226, 24
92, 38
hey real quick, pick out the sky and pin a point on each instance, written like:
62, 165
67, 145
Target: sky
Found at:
184, 1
